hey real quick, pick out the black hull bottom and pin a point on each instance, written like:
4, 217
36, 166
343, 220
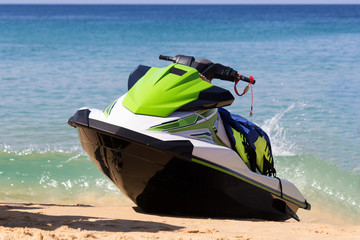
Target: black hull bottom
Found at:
168, 182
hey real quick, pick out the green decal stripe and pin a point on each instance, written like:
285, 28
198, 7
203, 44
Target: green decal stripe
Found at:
190, 120
107, 110
248, 180
207, 113
165, 126
203, 136
206, 124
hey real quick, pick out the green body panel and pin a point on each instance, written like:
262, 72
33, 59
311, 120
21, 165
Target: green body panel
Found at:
160, 92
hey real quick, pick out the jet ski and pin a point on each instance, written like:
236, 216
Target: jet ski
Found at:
170, 146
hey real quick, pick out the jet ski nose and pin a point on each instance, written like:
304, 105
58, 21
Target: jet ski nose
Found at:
81, 117
71, 122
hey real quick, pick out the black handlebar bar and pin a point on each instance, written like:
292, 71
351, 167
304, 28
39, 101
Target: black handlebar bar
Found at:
167, 58
213, 71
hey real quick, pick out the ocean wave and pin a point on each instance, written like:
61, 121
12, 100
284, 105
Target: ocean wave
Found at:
325, 185
54, 177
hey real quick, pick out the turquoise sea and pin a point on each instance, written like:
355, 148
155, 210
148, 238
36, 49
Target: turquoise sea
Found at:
55, 59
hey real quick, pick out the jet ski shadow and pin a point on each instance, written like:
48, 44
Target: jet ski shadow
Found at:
182, 215
14, 216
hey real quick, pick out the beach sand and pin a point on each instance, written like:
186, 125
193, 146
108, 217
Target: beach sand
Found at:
52, 221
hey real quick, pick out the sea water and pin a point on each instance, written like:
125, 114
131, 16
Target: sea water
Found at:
55, 59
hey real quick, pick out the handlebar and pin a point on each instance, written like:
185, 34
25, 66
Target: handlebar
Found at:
211, 70
246, 79
167, 58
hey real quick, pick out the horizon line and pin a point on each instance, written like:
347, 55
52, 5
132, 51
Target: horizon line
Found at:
180, 3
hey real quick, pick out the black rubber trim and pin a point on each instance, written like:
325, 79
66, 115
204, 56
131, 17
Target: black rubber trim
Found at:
81, 117
136, 74
177, 71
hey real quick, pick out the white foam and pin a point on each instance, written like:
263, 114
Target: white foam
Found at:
31, 149
280, 144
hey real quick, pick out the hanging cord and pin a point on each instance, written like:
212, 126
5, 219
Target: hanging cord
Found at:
246, 89
252, 95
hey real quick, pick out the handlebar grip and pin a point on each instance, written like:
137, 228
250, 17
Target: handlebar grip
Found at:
246, 79
167, 58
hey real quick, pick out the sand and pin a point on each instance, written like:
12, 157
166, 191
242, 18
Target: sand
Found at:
51, 221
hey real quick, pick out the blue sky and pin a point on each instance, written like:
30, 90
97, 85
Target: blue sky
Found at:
183, 1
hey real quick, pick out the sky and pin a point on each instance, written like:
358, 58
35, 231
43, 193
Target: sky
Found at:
179, 2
